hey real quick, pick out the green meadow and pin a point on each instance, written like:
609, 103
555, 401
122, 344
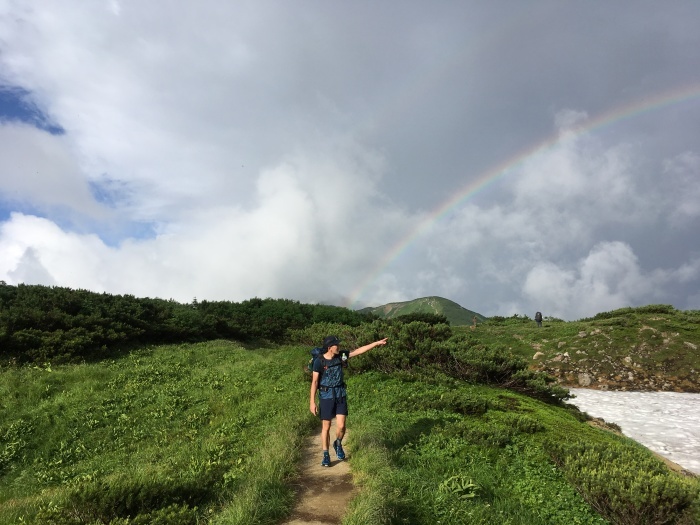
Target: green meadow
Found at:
117, 410
439, 452
211, 433
199, 433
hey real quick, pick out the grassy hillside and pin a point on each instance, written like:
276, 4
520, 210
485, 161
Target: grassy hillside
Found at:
654, 347
210, 433
198, 433
444, 452
455, 314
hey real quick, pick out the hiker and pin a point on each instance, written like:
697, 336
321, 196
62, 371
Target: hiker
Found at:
327, 378
538, 319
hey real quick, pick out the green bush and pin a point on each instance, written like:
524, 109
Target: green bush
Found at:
451, 400
459, 403
656, 309
424, 349
351, 337
538, 385
514, 319
487, 434
626, 484
414, 346
664, 309
526, 424
41, 323
422, 317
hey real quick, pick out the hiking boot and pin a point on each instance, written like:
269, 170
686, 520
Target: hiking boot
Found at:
339, 450
326, 460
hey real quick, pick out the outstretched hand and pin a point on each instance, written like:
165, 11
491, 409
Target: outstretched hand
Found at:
363, 349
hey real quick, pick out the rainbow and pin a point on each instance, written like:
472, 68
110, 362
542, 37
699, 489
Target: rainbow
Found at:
633, 109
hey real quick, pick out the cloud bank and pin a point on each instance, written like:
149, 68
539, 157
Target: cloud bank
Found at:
253, 149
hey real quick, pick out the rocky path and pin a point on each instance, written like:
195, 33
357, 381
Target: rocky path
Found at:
323, 493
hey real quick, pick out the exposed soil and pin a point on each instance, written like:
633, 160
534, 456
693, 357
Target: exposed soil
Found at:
323, 493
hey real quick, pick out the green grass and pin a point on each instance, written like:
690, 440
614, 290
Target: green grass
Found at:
437, 451
177, 434
211, 434
438, 465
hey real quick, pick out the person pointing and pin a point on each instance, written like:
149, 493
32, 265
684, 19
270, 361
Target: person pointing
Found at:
327, 380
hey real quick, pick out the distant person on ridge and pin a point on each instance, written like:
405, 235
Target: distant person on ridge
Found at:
538, 319
327, 378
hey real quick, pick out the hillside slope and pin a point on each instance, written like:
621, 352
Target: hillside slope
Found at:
184, 434
457, 315
653, 348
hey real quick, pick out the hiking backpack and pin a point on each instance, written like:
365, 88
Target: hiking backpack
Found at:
318, 353
315, 352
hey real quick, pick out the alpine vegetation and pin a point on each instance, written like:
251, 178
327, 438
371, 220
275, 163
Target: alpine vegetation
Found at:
107, 418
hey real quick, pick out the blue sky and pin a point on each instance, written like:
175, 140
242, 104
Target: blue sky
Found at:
259, 149
13, 107
16, 105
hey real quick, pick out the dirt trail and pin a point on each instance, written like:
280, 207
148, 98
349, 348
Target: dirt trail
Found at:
323, 493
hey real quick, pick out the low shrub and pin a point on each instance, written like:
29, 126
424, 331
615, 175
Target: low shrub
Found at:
424, 349
424, 463
351, 337
489, 435
459, 403
626, 484
514, 319
454, 401
665, 309
526, 424
422, 317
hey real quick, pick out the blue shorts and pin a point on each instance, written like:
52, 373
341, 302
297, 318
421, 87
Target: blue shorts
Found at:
329, 408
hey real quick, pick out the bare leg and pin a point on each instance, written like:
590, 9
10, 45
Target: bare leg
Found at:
325, 433
339, 427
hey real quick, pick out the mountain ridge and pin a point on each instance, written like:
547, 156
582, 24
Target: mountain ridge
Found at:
456, 314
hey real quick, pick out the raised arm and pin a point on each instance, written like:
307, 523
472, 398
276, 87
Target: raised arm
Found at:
363, 349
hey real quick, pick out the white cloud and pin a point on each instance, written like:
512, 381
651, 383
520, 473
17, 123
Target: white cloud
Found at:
580, 183
286, 152
153, 103
29, 269
40, 168
538, 247
309, 234
609, 277
566, 119
37, 251
681, 185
